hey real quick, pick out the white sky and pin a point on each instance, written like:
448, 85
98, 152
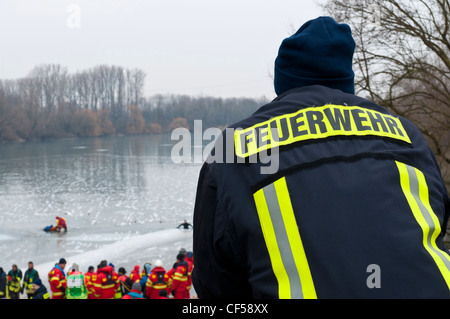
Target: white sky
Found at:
197, 47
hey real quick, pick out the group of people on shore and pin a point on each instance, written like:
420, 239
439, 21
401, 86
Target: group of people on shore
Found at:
148, 282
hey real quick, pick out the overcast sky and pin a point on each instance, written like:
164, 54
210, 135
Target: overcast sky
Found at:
197, 47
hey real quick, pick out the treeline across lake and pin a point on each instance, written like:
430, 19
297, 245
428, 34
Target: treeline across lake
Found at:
103, 100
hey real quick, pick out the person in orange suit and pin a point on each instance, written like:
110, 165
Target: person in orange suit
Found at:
180, 278
157, 281
60, 224
135, 274
89, 278
57, 279
107, 282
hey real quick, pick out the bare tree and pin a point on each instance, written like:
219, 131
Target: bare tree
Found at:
402, 61
29, 101
80, 90
50, 81
135, 86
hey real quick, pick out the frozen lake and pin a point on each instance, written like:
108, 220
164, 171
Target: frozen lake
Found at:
122, 198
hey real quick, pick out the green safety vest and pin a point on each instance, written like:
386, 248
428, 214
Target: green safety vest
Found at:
76, 287
30, 276
14, 283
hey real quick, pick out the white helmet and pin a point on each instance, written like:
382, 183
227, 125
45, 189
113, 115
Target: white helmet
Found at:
158, 263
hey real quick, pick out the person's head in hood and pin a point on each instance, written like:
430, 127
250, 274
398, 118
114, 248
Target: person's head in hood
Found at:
147, 268
190, 255
75, 268
103, 264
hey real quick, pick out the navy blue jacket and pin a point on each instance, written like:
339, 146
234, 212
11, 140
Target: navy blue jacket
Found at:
41, 293
3, 285
356, 207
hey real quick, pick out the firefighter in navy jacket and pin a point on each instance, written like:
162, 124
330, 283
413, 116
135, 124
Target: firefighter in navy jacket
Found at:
356, 207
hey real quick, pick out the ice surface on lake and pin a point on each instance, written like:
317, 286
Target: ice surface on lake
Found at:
122, 198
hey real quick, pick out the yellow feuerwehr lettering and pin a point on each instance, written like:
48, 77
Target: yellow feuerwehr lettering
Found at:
315, 123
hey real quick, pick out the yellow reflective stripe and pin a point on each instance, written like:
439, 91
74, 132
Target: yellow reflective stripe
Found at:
295, 241
180, 277
314, 123
283, 241
272, 246
160, 286
107, 286
415, 189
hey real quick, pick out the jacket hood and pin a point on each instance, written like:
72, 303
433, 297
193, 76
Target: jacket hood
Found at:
106, 269
158, 269
147, 268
